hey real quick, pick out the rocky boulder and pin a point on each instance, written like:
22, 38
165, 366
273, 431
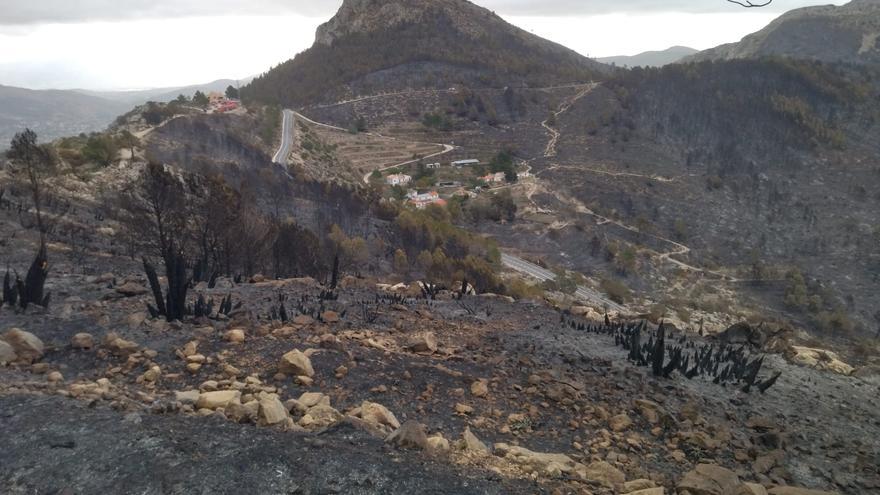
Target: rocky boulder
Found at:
410, 435
376, 414
7, 353
119, 346
296, 363
820, 359
425, 342
272, 410
470, 443
216, 400
131, 289
82, 341
709, 479
27, 346
790, 490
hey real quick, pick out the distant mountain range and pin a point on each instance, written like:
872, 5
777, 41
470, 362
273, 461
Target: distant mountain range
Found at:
165, 94
650, 59
57, 113
849, 33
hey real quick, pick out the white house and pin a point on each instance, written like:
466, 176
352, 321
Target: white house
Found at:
398, 179
465, 163
432, 166
422, 200
495, 178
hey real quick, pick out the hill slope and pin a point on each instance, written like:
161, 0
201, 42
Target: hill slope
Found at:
849, 33
652, 58
52, 113
417, 43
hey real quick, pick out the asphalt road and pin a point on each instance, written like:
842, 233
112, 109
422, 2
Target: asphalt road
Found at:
286, 138
589, 296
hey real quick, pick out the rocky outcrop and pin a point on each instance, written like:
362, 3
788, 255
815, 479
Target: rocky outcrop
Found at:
26, 346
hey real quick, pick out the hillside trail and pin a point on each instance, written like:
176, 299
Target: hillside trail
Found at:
656, 178
550, 150
678, 249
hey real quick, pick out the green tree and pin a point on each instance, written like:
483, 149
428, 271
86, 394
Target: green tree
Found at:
200, 99
232, 93
101, 149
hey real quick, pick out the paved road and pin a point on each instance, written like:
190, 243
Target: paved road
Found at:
286, 138
587, 295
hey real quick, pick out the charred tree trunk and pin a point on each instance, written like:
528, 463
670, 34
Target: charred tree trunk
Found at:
157, 289
659, 351
31, 291
334, 280
178, 284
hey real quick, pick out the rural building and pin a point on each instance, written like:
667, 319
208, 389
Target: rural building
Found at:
523, 175
422, 200
496, 178
398, 179
432, 166
465, 163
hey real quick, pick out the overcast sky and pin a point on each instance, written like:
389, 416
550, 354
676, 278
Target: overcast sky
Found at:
133, 44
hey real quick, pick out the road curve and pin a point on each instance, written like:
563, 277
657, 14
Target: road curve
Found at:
589, 296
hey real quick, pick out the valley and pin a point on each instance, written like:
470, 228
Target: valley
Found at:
436, 253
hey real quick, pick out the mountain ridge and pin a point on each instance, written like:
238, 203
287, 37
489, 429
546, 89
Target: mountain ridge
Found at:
848, 33
651, 58
417, 43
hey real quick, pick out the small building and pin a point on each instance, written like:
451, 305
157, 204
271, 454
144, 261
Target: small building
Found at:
432, 166
523, 175
216, 98
398, 179
422, 200
465, 163
496, 178
449, 183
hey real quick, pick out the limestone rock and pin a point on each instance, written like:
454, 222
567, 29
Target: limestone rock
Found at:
438, 444
791, 490
410, 435
464, 409
7, 353
214, 400
312, 399
480, 388
235, 336
131, 289
272, 410
605, 474
119, 346
552, 465
620, 422
188, 397
820, 359
55, 377
320, 416
243, 413
27, 346
330, 317
649, 491
709, 479
756, 489
376, 414
82, 341
296, 363
636, 485
471, 443
425, 342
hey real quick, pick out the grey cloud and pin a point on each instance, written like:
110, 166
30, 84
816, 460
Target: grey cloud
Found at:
23, 12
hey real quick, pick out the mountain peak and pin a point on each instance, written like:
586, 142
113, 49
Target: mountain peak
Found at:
365, 16
405, 44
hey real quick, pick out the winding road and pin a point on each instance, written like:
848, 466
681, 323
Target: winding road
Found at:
585, 294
